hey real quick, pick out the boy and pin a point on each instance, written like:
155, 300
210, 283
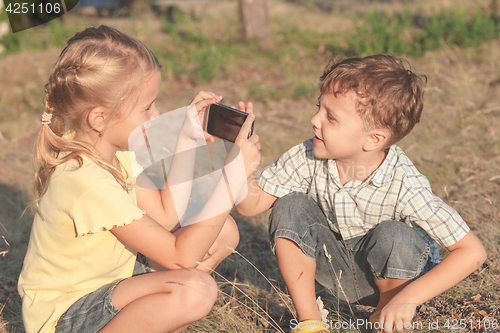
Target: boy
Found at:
371, 211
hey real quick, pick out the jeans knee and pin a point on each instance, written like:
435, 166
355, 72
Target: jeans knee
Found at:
386, 232
397, 249
395, 235
291, 205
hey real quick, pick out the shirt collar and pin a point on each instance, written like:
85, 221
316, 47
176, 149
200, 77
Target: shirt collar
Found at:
380, 177
383, 175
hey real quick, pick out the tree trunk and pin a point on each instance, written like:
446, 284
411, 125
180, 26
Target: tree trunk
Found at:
254, 20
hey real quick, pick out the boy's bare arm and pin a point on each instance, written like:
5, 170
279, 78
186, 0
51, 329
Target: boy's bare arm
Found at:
465, 256
257, 200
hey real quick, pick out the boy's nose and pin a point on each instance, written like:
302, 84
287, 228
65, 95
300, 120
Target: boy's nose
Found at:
315, 121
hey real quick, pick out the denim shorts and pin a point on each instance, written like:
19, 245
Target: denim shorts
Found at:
392, 249
93, 311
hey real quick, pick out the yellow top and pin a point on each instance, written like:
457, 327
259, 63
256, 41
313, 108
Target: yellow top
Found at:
71, 252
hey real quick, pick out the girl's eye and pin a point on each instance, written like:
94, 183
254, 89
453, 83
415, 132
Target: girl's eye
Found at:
329, 116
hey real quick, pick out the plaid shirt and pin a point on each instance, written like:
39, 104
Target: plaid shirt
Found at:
395, 191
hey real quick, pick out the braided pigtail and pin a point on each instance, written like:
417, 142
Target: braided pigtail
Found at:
100, 67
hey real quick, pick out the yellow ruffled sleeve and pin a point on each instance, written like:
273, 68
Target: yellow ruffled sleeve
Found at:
103, 206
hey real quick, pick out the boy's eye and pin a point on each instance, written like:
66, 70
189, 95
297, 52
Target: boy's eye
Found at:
330, 117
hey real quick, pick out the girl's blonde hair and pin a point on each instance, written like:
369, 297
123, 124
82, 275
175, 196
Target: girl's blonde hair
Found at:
100, 67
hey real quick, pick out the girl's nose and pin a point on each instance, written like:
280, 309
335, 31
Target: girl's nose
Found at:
155, 113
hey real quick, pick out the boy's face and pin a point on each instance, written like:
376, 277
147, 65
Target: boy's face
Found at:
338, 129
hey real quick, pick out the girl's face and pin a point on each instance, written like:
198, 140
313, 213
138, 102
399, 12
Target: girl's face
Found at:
130, 126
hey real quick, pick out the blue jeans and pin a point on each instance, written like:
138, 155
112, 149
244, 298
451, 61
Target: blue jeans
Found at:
93, 311
392, 249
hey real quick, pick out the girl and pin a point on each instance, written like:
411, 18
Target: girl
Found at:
82, 271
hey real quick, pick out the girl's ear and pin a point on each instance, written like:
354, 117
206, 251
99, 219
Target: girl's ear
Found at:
96, 119
376, 139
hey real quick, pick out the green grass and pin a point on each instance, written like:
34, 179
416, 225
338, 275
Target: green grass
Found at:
377, 32
189, 51
14, 230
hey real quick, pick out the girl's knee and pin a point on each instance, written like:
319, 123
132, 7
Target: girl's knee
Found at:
193, 297
229, 235
203, 297
198, 293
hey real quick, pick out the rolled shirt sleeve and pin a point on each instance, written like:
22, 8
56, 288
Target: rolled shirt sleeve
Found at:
439, 220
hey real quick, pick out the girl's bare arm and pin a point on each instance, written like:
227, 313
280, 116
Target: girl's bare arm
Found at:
156, 242
168, 205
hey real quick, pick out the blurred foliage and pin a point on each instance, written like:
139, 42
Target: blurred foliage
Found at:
202, 59
377, 33
191, 52
402, 34
54, 33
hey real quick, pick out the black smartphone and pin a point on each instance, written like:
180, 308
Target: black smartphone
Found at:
225, 122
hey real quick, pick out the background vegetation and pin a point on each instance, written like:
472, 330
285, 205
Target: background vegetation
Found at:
456, 145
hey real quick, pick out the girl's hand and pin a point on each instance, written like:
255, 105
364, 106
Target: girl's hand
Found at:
397, 317
195, 116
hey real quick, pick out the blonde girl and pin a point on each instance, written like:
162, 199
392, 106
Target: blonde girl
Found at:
82, 271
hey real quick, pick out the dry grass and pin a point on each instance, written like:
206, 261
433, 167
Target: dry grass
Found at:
456, 145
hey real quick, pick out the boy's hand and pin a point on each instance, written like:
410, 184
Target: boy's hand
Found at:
195, 117
247, 109
397, 317
249, 147
241, 106
254, 160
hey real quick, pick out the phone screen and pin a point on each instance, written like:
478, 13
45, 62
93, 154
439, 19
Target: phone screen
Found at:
225, 122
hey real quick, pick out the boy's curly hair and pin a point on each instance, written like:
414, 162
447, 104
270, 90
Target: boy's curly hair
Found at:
388, 94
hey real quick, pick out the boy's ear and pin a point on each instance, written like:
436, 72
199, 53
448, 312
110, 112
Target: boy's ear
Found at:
96, 119
376, 139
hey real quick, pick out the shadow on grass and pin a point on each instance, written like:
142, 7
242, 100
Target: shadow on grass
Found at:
14, 230
240, 281
273, 308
